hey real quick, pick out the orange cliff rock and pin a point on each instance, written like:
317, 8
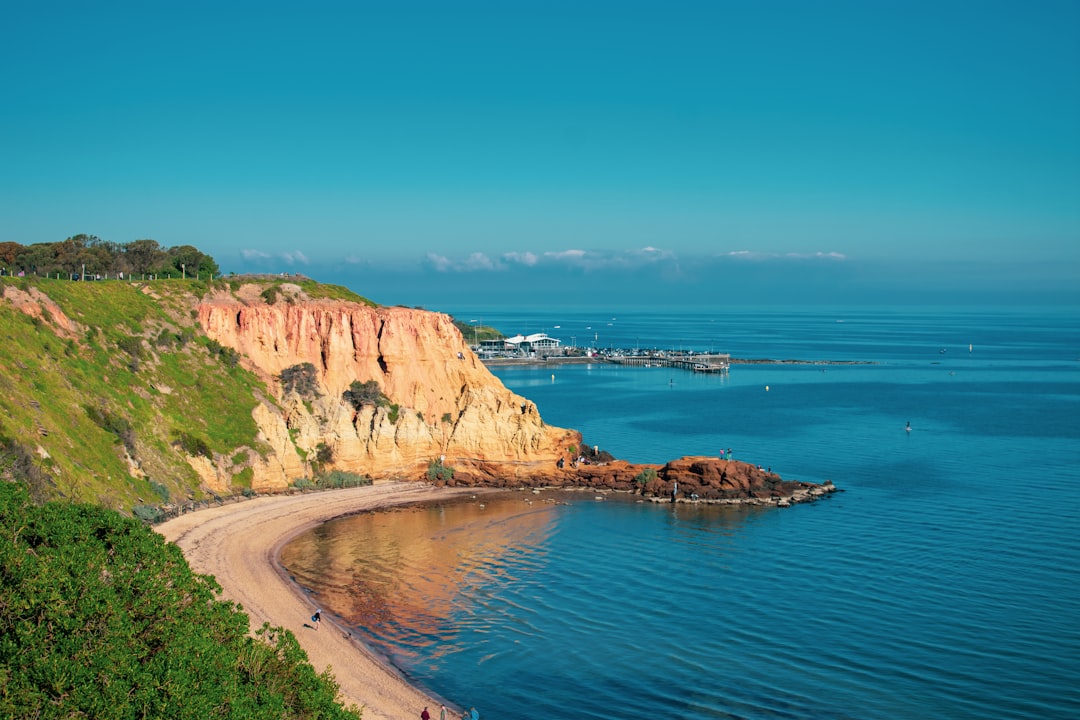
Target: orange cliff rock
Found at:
447, 403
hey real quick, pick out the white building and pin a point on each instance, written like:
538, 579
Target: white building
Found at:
538, 343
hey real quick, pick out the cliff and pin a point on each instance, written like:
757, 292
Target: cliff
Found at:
142, 394
440, 401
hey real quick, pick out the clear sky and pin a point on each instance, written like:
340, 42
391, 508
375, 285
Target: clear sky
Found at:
761, 150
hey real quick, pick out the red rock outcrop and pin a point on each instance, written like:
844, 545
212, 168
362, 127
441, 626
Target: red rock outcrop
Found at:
695, 479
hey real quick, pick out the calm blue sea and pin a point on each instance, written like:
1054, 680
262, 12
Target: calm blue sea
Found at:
944, 581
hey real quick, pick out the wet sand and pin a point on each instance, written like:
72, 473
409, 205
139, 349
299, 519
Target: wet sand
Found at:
238, 543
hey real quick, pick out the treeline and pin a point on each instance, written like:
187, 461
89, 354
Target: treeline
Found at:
93, 256
101, 618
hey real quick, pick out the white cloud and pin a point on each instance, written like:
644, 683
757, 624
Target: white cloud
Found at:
576, 258
478, 261
817, 256
294, 257
565, 254
762, 256
254, 255
522, 258
439, 262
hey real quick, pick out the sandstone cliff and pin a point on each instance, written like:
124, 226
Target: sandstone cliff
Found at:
442, 402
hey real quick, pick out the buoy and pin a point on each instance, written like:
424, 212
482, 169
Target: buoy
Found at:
766, 388
552, 377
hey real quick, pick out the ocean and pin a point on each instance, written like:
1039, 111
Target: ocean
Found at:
941, 582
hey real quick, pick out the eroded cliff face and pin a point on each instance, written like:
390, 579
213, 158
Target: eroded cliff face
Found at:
448, 405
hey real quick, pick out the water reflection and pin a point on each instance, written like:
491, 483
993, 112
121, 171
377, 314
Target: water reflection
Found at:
395, 575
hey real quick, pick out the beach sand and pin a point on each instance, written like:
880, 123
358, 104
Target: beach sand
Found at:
238, 543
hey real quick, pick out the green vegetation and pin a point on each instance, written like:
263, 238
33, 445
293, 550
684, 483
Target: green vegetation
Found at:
475, 333
301, 379
100, 378
437, 472
91, 257
365, 393
101, 618
645, 477
342, 479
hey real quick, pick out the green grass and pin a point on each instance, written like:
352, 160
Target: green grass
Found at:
112, 361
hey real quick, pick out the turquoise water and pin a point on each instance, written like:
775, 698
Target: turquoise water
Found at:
941, 583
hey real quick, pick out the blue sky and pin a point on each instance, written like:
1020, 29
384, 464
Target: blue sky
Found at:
431, 153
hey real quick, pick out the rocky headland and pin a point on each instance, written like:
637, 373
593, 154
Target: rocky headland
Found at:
441, 408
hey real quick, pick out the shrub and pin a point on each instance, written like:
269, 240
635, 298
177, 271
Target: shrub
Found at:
160, 490
437, 471
392, 416
644, 477
341, 479
301, 379
302, 484
270, 294
131, 345
364, 393
148, 513
104, 619
118, 426
191, 444
226, 354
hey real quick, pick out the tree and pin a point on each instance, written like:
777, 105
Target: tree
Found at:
364, 393
188, 259
143, 255
39, 258
9, 251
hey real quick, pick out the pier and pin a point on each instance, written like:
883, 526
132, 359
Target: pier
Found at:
711, 363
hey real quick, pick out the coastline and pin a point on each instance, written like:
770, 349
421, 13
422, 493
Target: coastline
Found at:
239, 544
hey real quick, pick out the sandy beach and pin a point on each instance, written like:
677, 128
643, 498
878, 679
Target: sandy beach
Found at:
238, 543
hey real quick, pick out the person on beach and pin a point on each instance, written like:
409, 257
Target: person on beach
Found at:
316, 619
425, 715
442, 712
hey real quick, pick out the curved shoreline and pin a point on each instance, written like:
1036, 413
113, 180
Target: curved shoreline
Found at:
239, 545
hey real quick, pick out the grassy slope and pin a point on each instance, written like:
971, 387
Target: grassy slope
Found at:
140, 361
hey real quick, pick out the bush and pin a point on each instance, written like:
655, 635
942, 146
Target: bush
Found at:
324, 454
437, 472
341, 479
104, 619
160, 490
364, 393
191, 444
118, 426
301, 379
645, 477
270, 294
148, 513
131, 345
226, 354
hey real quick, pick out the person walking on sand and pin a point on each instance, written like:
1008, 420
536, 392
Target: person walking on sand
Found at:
442, 712
316, 619
425, 715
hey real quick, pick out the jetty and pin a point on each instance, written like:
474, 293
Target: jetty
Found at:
700, 363
711, 363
